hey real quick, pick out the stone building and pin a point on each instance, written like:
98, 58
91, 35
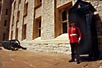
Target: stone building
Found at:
5, 12
41, 25
40, 22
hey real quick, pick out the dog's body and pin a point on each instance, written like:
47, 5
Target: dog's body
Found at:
12, 45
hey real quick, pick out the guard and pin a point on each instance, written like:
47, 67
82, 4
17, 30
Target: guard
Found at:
74, 37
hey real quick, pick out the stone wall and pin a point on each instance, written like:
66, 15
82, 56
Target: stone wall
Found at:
48, 19
28, 20
5, 19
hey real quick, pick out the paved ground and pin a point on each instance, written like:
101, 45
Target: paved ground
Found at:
27, 59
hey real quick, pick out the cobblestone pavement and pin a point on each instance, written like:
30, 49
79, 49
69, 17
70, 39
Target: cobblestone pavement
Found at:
27, 59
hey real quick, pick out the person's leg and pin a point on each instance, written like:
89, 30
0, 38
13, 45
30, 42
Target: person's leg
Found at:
72, 53
77, 53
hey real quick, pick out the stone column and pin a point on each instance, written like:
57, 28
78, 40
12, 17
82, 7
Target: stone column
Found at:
48, 19
21, 8
30, 19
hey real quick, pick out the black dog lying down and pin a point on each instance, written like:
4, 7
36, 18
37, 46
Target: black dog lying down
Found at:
12, 45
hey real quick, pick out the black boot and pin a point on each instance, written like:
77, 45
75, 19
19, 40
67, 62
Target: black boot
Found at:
78, 61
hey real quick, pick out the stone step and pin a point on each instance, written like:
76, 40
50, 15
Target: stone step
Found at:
54, 47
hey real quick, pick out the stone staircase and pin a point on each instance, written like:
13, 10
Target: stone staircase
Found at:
48, 47
56, 45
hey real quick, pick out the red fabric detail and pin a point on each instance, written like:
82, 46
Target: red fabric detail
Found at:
74, 30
